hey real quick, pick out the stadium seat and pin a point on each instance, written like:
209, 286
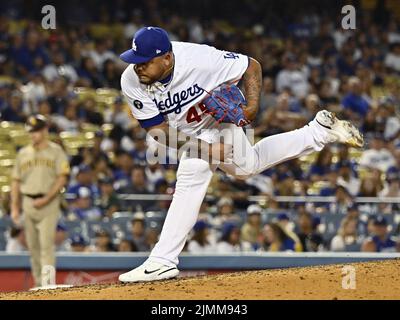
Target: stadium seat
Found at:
74, 227
120, 224
355, 247
93, 227
332, 223
242, 214
272, 215
155, 219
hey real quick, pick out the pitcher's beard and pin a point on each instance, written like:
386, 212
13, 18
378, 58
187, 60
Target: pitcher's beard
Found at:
146, 82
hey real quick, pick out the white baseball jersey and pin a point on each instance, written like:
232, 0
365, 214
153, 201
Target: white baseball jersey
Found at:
198, 69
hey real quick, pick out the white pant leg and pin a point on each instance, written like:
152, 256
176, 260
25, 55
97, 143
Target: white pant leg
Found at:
249, 160
193, 178
194, 175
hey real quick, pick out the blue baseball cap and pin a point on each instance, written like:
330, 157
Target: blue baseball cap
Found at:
380, 221
283, 216
84, 168
392, 174
77, 240
147, 43
227, 228
61, 227
200, 225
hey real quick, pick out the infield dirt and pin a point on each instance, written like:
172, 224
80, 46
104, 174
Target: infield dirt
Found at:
373, 280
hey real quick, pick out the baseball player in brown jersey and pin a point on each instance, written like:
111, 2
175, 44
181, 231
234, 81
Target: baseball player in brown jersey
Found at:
40, 172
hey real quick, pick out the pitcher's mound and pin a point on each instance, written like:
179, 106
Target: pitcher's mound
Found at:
370, 280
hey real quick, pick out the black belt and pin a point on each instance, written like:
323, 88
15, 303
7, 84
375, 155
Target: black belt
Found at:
35, 196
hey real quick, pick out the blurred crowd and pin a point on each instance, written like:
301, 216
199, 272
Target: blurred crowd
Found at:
309, 62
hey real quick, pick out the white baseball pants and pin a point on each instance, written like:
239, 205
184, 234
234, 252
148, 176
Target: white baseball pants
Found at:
194, 175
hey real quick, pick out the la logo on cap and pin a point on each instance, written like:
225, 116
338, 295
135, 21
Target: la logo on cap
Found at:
158, 51
134, 45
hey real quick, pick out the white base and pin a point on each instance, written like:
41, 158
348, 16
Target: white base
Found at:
52, 286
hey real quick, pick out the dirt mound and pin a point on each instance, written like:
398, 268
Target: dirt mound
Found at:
373, 280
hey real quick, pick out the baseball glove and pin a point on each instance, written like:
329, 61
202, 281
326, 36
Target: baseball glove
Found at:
225, 105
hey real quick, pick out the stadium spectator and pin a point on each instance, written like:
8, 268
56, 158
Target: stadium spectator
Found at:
370, 225
268, 97
152, 235
29, 54
59, 96
347, 238
90, 73
82, 207
346, 177
16, 241
281, 117
311, 106
134, 23
89, 112
288, 226
139, 152
14, 111
100, 54
97, 149
391, 189
84, 178
276, 239
108, 201
392, 58
102, 242
68, 121
136, 185
292, 77
101, 167
251, 230
34, 92
391, 128
43, 108
310, 238
322, 168
225, 212
154, 176
230, 240
58, 68
380, 240
77, 243
371, 184
201, 242
117, 114
284, 184
111, 74
61, 239
126, 245
344, 200
123, 165
355, 104
377, 157
138, 232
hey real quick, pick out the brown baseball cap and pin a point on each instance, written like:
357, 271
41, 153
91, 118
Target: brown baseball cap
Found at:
35, 123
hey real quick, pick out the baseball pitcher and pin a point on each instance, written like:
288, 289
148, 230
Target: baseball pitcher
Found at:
186, 88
